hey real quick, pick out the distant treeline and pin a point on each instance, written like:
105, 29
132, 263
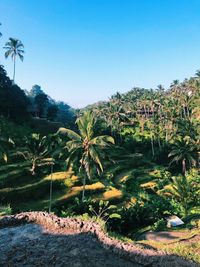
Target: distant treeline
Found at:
17, 104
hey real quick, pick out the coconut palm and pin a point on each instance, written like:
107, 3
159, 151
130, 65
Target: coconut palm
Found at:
36, 151
85, 147
14, 48
184, 151
197, 73
0, 32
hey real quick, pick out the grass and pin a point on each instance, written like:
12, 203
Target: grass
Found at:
186, 246
5, 210
76, 190
188, 251
112, 193
59, 176
149, 185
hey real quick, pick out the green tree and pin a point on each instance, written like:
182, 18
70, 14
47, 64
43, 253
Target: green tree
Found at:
14, 48
36, 151
5, 144
52, 112
85, 147
41, 101
184, 151
183, 189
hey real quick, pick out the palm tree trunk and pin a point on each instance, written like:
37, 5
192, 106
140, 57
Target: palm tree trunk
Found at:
33, 167
14, 69
51, 185
83, 192
152, 147
159, 144
183, 166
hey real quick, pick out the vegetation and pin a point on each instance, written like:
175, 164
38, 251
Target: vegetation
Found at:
84, 148
139, 151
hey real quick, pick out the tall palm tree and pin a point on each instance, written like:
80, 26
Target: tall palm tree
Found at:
85, 147
14, 48
0, 32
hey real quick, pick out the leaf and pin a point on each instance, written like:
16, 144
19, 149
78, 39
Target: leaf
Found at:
5, 158
71, 134
112, 207
101, 203
115, 215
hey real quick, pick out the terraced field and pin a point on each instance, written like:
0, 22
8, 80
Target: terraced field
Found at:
30, 192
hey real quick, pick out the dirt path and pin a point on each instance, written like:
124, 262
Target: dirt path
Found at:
33, 245
164, 236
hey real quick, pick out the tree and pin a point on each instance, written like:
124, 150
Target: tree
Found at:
184, 151
14, 48
52, 112
65, 114
35, 90
13, 101
36, 151
183, 189
41, 101
0, 32
197, 73
85, 147
5, 144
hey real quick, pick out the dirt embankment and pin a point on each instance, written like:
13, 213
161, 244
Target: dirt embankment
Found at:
41, 239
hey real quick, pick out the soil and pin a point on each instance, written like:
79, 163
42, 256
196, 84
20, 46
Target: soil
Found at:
41, 239
34, 245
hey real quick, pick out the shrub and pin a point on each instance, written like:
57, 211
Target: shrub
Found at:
143, 213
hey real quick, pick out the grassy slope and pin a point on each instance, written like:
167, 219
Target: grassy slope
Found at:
32, 193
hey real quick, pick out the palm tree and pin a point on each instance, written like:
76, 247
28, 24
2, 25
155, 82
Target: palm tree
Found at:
197, 73
184, 151
85, 147
0, 32
180, 188
36, 151
14, 48
5, 144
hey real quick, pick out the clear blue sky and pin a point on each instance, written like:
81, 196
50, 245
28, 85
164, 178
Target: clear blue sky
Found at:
82, 51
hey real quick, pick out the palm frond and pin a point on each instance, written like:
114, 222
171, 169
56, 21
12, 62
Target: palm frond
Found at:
71, 134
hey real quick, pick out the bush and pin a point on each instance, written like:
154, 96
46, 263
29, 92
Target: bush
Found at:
143, 213
159, 225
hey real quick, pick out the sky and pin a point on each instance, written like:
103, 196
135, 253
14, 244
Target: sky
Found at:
84, 51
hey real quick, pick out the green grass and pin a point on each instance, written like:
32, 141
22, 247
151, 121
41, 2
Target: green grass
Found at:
189, 251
